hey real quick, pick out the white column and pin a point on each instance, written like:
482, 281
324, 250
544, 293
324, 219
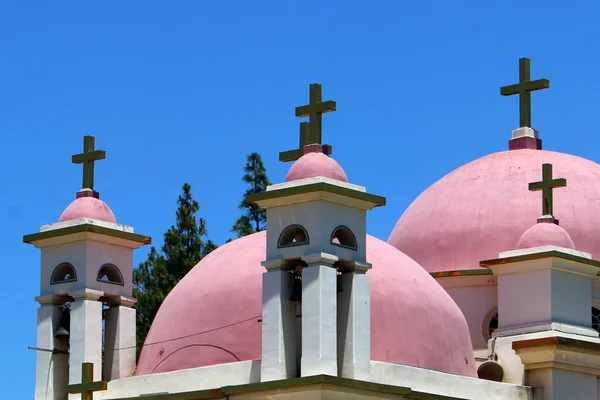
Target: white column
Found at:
319, 315
278, 324
119, 339
85, 335
354, 324
51, 376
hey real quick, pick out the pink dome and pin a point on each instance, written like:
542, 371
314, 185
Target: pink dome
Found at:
483, 207
315, 164
545, 234
88, 207
212, 315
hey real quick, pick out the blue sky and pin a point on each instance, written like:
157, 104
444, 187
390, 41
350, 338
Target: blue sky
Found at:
182, 91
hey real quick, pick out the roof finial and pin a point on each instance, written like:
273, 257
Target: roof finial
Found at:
546, 185
525, 137
87, 158
310, 132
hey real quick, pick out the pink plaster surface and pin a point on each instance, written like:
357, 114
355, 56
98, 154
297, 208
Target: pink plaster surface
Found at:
88, 207
315, 164
545, 234
211, 316
483, 208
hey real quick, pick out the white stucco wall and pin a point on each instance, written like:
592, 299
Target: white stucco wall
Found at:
476, 296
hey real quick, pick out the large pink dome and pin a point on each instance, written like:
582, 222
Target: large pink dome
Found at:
483, 208
212, 315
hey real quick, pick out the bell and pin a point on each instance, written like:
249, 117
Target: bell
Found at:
64, 324
61, 333
296, 290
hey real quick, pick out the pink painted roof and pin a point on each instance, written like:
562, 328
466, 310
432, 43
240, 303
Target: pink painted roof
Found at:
88, 207
483, 208
212, 315
315, 164
545, 234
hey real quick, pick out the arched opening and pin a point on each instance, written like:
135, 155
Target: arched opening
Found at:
293, 235
596, 318
342, 236
490, 324
109, 273
64, 272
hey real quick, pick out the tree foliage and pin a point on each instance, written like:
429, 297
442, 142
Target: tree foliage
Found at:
254, 218
185, 244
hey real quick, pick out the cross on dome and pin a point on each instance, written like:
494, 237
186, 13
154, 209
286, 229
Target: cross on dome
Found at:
310, 132
87, 387
546, 185
87, 158
524, 89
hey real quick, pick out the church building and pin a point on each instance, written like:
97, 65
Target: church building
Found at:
487, 288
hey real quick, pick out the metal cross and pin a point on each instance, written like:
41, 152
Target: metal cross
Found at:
87, 387
310, 132
87, 158
546, 185
524, 89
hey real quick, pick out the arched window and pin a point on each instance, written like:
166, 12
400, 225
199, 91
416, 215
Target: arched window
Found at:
343, 236
64, 272
490, 324
596, 318
293, 235
109, 273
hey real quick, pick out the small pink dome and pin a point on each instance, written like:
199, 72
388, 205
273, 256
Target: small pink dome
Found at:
480, 209
88, 207
545, 234
315, 164
212, 315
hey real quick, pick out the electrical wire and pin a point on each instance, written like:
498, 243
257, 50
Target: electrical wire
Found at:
191, 334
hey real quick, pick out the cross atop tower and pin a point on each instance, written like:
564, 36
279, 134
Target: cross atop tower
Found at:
524, 89
311, 131
546, 185
87, 387
87, 158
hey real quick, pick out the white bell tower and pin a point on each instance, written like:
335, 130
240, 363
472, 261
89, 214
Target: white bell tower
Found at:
316, 257
545, 337
86, 312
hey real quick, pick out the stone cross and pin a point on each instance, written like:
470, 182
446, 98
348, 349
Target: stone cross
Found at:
310, 132
87, 387
524, 89
87, 158
546, 185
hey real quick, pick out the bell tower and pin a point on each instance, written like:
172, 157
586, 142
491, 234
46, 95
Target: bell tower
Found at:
86, 312
316, 258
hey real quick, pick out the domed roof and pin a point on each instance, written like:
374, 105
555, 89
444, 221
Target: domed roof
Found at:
545, 234
88, 207
212, 315
315, 164
483, 208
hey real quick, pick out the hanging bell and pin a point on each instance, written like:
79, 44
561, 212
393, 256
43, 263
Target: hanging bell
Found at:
296, 290
61, 333
64, 324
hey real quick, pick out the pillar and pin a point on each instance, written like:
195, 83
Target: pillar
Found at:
51, 370
119, 339
354, 324
278, 324
85, 335
319, 315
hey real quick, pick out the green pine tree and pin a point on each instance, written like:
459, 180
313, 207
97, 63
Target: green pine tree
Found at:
184, 246
254, 218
